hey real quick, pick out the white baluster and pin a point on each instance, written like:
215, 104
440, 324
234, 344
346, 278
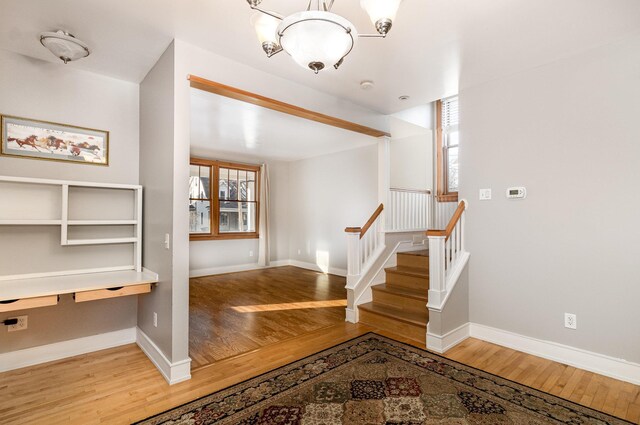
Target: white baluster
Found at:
412, 211
462, 219
454, 247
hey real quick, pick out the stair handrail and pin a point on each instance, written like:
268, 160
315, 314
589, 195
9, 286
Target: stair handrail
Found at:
364, 246
457, 216
447, 257
364, 229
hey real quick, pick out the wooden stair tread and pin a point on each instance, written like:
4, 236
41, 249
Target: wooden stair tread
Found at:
416, 319
405, 292
421, 253
408, 271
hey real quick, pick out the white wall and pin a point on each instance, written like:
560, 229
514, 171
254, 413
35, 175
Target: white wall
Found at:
53, 92
411, 162
327, 194
569, 132
210, 257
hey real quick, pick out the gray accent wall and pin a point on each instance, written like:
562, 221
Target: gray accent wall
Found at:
569, 132
156, 175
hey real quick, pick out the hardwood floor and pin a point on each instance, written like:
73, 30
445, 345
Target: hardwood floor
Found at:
240, 312
121, 385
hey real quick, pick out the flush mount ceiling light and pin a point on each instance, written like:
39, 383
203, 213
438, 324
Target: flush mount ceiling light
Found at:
317, 38
64, 45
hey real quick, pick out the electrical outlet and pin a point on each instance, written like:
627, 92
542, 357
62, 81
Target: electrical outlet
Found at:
155, 319
299, 251
20, 326
250, 253
166, 241
570, 321
485, 194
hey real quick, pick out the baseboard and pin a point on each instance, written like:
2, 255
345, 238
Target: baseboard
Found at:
441, 344
316, 268
172, 372
576, 357
236, 268
61, 350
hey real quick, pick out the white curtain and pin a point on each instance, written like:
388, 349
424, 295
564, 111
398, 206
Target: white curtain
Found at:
263, 249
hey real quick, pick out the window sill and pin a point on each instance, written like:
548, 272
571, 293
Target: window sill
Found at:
226, 236
448, 197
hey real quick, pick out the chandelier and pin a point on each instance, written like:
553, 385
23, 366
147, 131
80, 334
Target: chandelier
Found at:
317, 38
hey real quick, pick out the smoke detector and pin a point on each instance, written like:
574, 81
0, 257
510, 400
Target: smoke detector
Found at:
366, 85
64, 45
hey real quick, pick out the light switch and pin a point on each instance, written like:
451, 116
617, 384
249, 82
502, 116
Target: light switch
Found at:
485, 194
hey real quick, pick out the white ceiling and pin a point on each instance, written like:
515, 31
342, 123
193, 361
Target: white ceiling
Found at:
435, 45
223, 125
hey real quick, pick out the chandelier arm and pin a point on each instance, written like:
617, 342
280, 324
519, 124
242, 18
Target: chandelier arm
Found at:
280, 49
372, 35
267, 12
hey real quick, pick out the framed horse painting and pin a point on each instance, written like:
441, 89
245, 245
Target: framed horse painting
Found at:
27, 138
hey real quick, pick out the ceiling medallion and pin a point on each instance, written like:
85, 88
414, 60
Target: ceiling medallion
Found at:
317, 38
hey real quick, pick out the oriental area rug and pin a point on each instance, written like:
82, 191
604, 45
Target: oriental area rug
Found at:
375, 380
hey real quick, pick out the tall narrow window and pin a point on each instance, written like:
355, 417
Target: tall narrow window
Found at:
448, 137
223, 200
200, 200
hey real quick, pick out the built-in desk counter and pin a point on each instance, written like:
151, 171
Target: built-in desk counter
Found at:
20, 294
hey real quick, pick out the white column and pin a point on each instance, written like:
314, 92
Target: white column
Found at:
354, 259
437, 282
384, 175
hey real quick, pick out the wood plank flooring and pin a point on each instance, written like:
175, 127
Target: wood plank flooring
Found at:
240, 312
120, 385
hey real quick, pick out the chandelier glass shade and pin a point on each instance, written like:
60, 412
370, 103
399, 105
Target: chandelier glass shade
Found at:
266, 28
317, 38
381, 12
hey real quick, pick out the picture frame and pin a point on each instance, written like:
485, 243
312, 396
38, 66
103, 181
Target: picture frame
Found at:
51, 141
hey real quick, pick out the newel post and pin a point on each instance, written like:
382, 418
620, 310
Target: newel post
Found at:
354, 260
437, 282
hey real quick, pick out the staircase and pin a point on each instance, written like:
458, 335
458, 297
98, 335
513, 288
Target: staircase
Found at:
400, 304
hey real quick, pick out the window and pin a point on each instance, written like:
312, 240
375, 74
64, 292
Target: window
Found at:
447, 138
223, 200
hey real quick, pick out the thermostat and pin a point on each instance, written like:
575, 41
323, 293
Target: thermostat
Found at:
516, 193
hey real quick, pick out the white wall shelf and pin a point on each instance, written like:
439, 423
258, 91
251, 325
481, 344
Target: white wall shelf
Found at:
63, 219
30, 222
101, 222
100, 241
